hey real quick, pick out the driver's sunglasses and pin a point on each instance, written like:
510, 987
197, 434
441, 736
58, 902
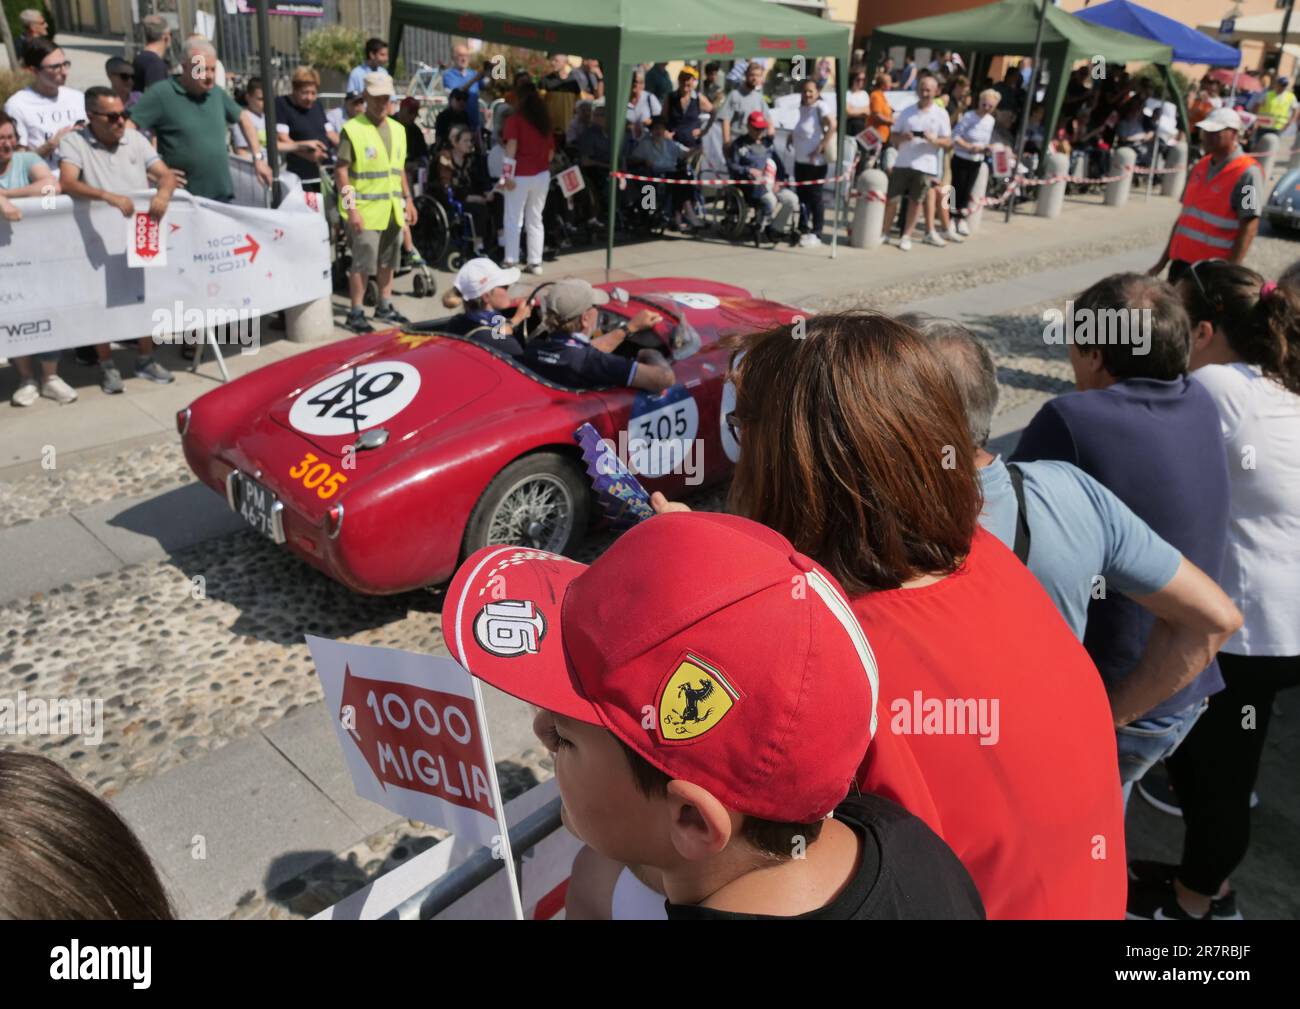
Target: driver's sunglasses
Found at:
113, 117
1216, 304
733, 425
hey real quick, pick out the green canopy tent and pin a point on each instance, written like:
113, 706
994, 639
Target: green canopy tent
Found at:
1010, 27
621, 33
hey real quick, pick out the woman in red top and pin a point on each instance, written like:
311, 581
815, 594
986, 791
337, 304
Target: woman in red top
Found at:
527, 174
854, 445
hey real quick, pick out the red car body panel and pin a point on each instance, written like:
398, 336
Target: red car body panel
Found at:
406, 504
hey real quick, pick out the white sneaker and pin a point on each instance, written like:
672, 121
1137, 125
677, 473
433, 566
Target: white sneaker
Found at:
963, 228
58, 390
533, 268
27, 394
932, 238
904, 244
809, 241
951, 235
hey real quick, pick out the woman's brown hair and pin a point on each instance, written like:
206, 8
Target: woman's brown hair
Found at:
65, 854
854, 446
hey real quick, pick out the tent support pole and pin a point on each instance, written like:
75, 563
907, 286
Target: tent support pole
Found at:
1031, 90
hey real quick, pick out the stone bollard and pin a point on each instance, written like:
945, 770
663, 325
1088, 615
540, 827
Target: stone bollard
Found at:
1265, 152
869, 214
1122, 160
1171, 183
977, 192
310, 322
1051, 197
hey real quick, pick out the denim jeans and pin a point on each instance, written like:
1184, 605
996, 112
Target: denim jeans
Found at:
1144, 743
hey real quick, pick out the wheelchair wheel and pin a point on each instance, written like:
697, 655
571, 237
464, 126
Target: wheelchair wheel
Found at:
432, 232
421, 288
372, 293
732, 213
455, 259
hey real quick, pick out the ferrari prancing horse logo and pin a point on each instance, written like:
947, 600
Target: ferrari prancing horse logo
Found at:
693, 699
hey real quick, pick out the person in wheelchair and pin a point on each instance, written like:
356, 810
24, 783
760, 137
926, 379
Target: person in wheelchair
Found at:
659, 154
571, 353
747, 161
463, 184
482, 292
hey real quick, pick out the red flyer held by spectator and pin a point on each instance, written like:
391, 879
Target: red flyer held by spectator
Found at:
146, 243
415, 739
571, 181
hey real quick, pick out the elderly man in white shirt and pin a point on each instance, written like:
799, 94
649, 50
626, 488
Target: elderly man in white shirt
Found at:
922, 134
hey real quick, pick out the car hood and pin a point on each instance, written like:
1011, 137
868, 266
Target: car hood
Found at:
404, 385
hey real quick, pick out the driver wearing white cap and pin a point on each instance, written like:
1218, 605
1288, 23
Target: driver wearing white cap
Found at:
482, 291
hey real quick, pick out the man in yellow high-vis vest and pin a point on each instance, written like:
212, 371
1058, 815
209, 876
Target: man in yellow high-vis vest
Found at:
1275, 106
375, 199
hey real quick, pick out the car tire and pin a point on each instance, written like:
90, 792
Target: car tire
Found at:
539, 481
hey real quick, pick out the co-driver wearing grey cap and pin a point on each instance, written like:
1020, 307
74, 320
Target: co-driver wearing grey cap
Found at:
572, 353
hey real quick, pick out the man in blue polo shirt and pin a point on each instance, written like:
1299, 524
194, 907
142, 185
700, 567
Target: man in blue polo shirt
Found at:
569, 355
1079, 539
461, 76
1150, 435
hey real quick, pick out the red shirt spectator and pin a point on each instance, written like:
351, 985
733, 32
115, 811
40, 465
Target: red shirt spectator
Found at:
1000, 772
534, 153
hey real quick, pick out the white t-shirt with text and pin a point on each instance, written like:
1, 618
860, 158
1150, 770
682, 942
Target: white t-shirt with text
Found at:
38, 118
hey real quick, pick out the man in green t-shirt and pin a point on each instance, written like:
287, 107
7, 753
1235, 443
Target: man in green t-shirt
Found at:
189, 116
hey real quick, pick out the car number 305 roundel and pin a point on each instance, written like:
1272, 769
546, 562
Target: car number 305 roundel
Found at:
355, 399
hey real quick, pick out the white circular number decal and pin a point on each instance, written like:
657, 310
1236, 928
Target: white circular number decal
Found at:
660, 431
355, 399
700, 301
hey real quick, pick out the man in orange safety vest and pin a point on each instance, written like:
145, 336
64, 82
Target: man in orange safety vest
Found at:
1222, 201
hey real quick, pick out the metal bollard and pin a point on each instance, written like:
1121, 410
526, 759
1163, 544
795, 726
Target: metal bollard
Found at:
1122, 160
1051, 197
1171, 183
869, 214
1265, 152
310, 322
977, 193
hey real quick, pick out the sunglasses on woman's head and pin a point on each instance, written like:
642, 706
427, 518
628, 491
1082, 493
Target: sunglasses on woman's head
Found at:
1216, 304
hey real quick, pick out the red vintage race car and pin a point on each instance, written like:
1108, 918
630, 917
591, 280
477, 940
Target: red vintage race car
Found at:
385, 459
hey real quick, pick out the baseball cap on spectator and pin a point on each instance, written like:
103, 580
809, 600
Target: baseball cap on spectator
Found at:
688, 71
569, 298
353, 96
458, 93
758, 120
703, 642
378, 84
481, 275
410, 104
1284, 80
1221, 119
116, 65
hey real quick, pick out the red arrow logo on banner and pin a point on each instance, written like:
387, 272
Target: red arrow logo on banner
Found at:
251, 248
420, 739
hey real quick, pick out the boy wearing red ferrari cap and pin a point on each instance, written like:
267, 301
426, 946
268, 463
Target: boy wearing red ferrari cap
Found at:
708, 695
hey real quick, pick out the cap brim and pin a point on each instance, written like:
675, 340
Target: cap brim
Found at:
599, 297
505, 278
501, 622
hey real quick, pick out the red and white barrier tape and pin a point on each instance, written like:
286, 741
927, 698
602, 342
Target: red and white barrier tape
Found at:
629, 176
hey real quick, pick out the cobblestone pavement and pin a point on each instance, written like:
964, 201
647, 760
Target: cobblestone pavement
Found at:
202, 648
